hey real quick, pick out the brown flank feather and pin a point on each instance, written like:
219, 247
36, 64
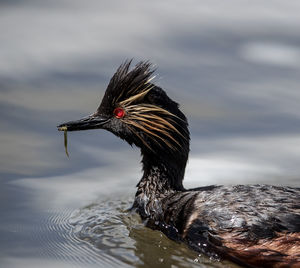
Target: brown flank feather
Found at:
281, 251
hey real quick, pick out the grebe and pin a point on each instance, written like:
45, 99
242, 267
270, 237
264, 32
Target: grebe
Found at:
254, 226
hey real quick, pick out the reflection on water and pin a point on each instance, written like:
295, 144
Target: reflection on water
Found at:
233, 67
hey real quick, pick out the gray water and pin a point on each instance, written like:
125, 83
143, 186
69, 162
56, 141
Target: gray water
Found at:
234, 67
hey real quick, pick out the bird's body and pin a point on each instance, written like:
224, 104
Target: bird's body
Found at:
252, 225
255, 226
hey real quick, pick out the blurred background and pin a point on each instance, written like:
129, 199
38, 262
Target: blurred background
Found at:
234, 66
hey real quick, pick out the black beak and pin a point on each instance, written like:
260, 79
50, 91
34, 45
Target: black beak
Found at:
89, 122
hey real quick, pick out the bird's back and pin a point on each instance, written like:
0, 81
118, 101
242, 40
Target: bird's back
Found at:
258, 225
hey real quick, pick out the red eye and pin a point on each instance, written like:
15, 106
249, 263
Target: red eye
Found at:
119, 113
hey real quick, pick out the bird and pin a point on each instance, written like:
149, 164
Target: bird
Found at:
250, 225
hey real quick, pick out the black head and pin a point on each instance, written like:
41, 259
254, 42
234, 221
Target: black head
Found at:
136, 110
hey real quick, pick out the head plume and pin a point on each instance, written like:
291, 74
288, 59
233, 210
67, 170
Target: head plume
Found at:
126, 86
151, 119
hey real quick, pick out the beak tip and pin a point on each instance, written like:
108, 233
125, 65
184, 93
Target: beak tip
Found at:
62, 127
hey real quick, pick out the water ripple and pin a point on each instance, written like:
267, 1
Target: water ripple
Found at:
110, 228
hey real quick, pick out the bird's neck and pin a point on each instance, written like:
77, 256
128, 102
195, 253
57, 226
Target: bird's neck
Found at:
164, 170
161, 178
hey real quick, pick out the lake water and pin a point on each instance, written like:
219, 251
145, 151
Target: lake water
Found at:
235, 69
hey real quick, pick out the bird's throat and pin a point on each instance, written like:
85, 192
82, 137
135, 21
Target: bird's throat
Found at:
160, 180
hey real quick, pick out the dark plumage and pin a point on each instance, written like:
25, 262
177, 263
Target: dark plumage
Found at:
255, 226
